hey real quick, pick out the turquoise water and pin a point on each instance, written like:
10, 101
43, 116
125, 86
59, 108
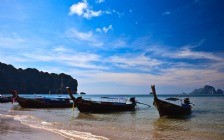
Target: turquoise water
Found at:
205, 122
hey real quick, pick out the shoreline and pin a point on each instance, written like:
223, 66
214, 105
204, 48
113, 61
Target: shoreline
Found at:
11, 129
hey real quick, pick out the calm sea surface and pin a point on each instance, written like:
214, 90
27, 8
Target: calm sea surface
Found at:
205, 123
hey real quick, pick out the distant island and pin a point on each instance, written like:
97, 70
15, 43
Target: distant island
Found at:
207, 89
82, 93
30, 81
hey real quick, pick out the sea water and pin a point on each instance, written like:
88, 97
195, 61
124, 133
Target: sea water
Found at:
206, 121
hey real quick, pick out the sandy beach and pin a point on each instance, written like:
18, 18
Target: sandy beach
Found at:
11, 129
205, 123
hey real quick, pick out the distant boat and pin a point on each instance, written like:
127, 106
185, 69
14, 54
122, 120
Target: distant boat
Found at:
82, 93
169, 109
42, 102
86, 105
5, 99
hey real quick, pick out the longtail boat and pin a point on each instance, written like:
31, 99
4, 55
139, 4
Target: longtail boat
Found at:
169, 109
5, 99
86, 105
41, 102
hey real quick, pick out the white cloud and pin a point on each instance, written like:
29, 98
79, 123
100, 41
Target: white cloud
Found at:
100, 1
193, 77
90, 13
118, 13
82, 60
107, 12
11, 40
184, 52
78, 8
107, 29
94, 68
170, 77
83, 9
138, 62
65, 56
104, 29
60, 49
118, 43
189, 54
84, 37
98, 30
166, 13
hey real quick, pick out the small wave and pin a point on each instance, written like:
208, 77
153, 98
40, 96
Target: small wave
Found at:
35, 122
73, 135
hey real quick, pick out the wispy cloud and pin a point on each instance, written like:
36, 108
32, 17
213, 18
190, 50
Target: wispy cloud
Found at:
100, 1
166, 13
170, 77
184, 52
118, 13
152, 63
83, 60
104, 29
189, 54
84, 37
118, 43
11, 40
138, 62
66, 56
191, 77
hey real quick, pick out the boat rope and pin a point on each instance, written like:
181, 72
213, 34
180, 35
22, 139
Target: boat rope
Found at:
73, 106
143, 104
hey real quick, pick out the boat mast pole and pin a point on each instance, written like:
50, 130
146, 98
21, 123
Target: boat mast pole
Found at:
153, 91
70, 94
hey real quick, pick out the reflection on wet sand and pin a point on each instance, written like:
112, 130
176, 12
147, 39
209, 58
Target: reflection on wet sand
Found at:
170, 128
95, 124
4, 127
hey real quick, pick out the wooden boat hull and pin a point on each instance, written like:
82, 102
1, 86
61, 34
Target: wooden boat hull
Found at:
168, 109
101, 107
35, 103
93, 106
5, 99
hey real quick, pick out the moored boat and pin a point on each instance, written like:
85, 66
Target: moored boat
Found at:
42, 102
5, 99
86, 105
170, 109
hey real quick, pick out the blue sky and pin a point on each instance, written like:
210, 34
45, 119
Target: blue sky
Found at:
118, 47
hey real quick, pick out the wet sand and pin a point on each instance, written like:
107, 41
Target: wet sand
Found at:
11, 129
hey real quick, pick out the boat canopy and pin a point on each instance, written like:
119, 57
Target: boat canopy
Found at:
172, 99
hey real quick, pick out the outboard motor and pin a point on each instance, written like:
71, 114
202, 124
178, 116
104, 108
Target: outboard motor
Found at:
186, 101
132, 99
